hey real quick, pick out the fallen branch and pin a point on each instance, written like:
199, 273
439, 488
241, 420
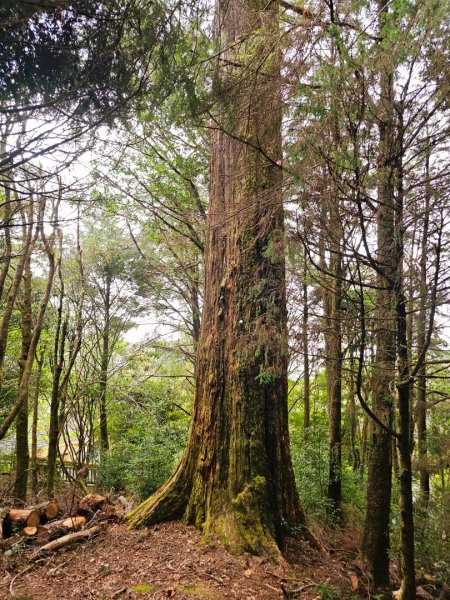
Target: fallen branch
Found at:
67, 540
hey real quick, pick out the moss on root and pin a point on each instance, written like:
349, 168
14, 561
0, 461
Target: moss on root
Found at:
242, 527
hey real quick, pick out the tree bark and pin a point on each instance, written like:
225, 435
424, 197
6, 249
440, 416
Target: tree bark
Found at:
22, 448
104, 442
28, 366
376, 540
34, 463
408, 587
421, 409
305, 344
236, 478
58, 364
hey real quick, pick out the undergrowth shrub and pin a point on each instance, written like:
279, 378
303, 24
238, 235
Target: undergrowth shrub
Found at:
146, 444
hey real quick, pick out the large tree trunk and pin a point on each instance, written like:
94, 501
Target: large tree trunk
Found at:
236, 479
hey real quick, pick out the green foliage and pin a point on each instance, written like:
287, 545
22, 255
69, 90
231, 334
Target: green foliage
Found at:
327, 593
103, 52
144, 459
432, 524
310, 456
147, 437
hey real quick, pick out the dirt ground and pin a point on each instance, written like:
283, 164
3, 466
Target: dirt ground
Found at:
170, 561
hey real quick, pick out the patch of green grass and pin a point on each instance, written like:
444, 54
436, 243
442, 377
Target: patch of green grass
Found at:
326, 592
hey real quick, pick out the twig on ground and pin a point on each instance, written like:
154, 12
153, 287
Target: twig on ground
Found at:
16, 576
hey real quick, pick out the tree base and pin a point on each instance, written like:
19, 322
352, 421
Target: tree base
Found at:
241, 525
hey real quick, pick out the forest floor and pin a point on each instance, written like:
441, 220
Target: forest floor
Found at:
170, 561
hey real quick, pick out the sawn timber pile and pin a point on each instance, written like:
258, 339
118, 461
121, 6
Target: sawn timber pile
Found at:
45, 527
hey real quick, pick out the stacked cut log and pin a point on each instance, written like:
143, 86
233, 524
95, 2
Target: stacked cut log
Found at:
40, 524
56, 529
47, 510
26, 520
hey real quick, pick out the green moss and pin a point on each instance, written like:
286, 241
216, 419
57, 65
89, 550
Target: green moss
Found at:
142, 588
244, 527
206, 529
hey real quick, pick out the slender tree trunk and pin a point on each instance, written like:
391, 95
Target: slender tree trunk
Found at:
363, 443
104, 442
28, 366
376, 540
331, 297
305, 344
22, 448
354, 459
7, 249
58, 365
236, 477
61, 378
6, 181
421, 409
408, 588
334, 382
34, 426
27, 244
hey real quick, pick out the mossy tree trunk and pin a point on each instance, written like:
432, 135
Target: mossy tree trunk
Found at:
236, 479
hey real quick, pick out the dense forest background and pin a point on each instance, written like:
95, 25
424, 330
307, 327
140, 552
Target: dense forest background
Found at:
114, 118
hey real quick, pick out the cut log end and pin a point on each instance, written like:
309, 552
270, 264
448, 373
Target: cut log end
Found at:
29, 518
51, 509
29, 531
74, 523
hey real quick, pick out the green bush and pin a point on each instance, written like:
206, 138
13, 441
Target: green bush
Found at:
147, 440
142, 465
